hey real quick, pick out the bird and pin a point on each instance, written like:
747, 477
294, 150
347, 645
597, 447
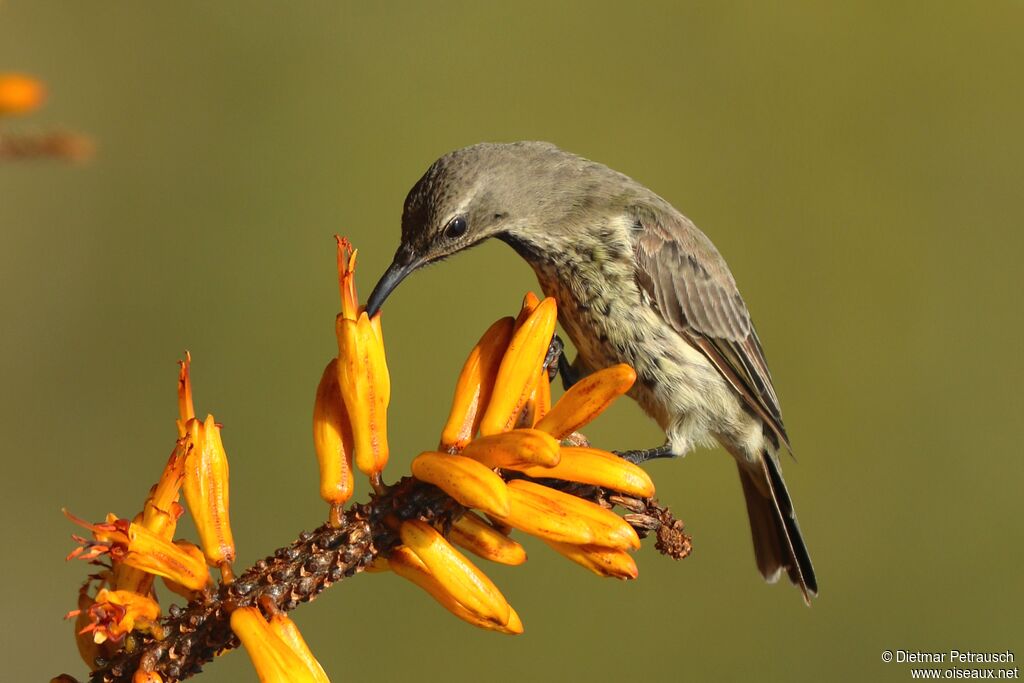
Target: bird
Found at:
635, 282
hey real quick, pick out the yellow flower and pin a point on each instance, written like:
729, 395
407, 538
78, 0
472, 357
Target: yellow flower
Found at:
131, 544
277, 650
519, 369
406, 564
474, 386
206, 491
114, 614
20, 94
332, 439
362, 371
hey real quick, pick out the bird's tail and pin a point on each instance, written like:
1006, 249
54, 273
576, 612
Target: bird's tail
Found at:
778, 543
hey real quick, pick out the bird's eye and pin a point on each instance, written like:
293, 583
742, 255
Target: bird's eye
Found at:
456, 228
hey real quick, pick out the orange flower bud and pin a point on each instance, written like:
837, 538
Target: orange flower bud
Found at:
608, 562
519, 369
548, 517
206, 491
407, 565
141, 676
586, 399
530, 302
597, 467
515, 450
473, 533
365, 388
604, 526
475, 385
20, 94
464, 479
275, 659
332, 438
285, 629
457, 575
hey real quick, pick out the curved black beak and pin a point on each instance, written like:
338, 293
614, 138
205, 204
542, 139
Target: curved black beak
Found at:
395, 273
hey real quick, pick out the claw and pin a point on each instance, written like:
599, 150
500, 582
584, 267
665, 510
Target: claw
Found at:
554, 358
641, 456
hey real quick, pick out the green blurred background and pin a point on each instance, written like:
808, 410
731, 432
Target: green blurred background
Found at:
859, 164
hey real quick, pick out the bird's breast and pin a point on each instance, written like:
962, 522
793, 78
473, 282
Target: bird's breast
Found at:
611, 320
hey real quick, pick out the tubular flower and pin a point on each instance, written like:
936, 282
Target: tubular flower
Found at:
519, 368
114, 614
457, 575
362, 370
161, 510
474, 534
405, 563
159, 516
465, 480
131, 544
277, 650
474, 386
206, 490
20, 94
597, 467
602, 561
332, 439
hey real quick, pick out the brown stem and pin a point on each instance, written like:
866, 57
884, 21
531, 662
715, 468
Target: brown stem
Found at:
297, 573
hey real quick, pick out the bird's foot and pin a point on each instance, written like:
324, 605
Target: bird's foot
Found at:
641, 456
554, 358
557, 364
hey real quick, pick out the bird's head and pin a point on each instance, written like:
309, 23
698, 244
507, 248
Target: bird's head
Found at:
465, 197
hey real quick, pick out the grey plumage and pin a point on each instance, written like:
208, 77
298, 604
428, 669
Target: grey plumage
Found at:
636, 282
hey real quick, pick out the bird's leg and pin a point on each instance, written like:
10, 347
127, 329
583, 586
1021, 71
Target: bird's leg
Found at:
643, 455
570, 372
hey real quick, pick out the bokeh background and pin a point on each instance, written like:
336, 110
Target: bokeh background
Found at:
859, 164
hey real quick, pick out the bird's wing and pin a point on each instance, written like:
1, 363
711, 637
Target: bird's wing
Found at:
688, 280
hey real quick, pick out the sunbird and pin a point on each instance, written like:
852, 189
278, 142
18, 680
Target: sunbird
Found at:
636, 282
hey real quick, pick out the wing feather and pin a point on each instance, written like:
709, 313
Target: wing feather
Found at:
689, 282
